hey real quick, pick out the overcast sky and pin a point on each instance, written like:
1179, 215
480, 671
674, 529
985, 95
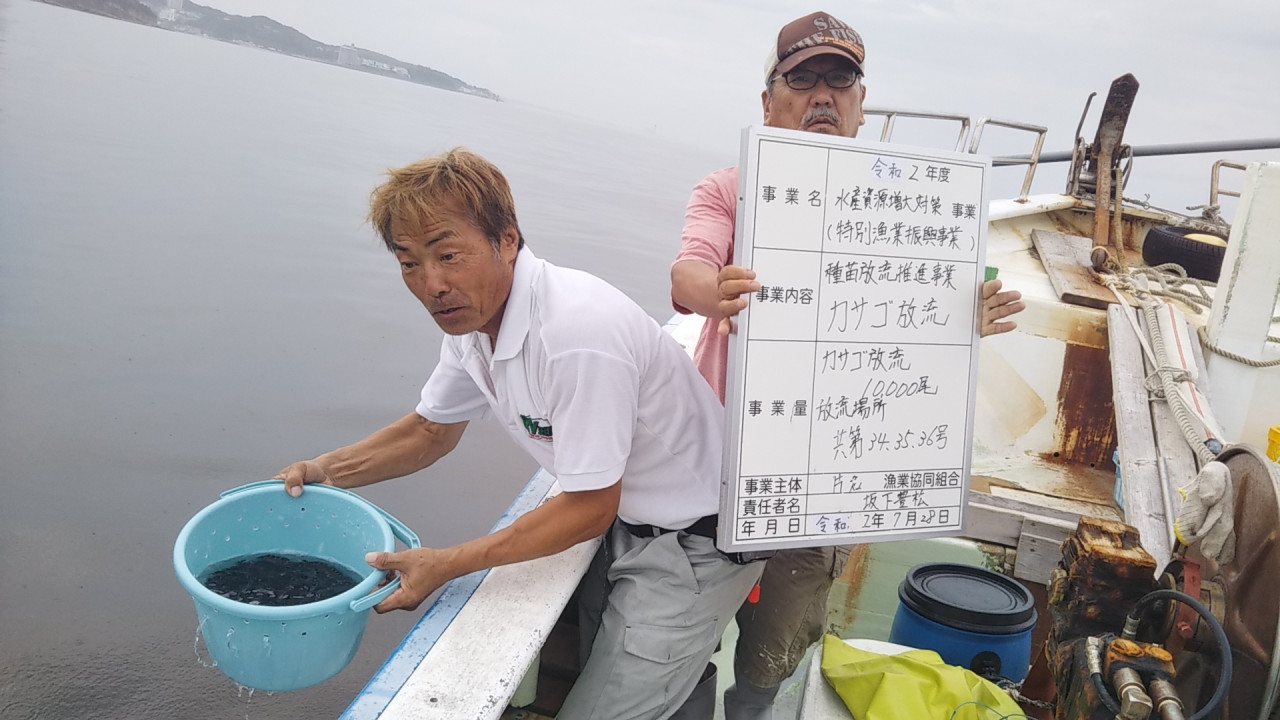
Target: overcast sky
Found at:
691, 70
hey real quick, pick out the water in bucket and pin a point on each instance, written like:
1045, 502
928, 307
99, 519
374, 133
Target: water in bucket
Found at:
285, 647
277, 580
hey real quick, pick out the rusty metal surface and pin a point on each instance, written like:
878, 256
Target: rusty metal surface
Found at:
1185, 624
1086, 428
1076, 483
1149, 660
1251, 581
854, 574
1115, 116
1077, 699
1107, 573
1106, 149
1135, 223
1117, 224
1104, 572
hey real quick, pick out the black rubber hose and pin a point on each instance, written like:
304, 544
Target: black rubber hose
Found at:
1112, 706
1219, 636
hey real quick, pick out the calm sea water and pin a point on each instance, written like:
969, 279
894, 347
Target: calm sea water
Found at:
189, 300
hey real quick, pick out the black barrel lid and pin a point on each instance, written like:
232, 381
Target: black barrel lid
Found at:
968, 597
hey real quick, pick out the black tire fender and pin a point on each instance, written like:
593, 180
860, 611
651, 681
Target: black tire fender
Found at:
1199, 252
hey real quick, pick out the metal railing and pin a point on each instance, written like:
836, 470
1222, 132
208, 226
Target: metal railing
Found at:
1212, 211
1032, 161
1214, 189
966, 144
891, 114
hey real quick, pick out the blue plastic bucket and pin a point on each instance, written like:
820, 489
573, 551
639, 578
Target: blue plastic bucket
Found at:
973, 617
290, 647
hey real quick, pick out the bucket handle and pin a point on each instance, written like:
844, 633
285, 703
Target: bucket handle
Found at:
280, 483
399, 529
251, 486
406, 536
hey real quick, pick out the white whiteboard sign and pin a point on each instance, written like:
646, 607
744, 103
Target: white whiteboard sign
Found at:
851, 378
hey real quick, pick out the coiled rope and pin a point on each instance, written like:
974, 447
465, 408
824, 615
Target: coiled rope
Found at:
1168, 376
1170, 280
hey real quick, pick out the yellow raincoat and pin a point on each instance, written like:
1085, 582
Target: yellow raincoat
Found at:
913, 685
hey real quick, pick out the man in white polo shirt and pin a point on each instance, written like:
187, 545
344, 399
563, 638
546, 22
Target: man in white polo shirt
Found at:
600, 396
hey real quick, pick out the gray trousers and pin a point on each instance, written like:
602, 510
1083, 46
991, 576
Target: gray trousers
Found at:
651, 611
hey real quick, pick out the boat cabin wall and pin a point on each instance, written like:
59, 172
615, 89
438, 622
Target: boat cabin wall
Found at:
1047, 397
1044, 417
1045, 389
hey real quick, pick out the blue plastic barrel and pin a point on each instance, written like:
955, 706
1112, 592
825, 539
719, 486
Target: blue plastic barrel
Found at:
973, 617
288, 647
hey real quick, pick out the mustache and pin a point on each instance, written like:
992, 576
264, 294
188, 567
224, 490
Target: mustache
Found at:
436, 304
820, 113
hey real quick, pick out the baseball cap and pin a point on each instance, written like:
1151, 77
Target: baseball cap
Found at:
814, 34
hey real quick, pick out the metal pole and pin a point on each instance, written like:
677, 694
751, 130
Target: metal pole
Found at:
1150, 150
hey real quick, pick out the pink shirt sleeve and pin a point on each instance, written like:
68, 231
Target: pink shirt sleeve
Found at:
708, 222
707, 237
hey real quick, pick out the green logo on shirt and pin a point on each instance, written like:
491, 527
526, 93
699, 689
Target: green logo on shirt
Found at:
538, 428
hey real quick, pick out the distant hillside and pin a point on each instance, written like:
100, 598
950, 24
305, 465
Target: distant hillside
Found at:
130, 10
263, 32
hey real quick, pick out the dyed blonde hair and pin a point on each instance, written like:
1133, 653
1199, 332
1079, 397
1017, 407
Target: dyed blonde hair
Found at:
458, 181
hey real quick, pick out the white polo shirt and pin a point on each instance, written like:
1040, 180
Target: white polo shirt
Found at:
593, 388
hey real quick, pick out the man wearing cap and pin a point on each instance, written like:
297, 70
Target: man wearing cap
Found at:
813, 81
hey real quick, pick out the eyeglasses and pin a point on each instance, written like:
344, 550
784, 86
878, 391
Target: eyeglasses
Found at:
807, 79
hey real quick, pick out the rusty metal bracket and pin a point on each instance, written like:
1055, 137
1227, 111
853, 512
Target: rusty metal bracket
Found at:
1185, 620
1106, 151
1079, 154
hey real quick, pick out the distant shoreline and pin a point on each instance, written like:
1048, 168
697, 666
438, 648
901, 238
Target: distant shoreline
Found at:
127, 10
267, 34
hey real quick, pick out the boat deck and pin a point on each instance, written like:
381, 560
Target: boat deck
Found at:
1045, 437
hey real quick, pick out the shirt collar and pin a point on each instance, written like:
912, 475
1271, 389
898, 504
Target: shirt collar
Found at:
517, 316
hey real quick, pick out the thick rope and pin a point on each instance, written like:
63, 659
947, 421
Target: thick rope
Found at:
1170, 279
1177, 403
1169, 376
1204, 340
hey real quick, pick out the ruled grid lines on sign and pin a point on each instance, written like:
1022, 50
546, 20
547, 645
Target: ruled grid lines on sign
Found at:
850, 389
